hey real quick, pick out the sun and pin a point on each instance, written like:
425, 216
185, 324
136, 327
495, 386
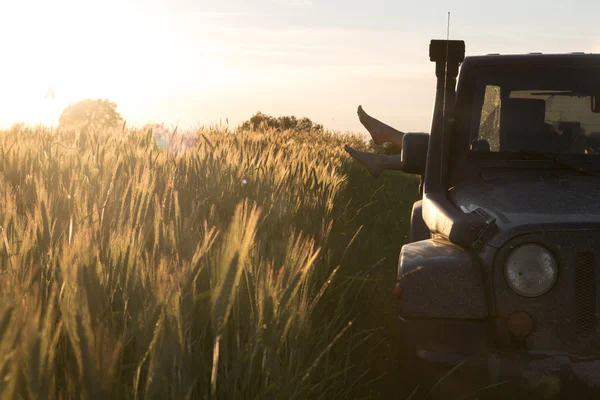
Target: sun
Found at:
67, 51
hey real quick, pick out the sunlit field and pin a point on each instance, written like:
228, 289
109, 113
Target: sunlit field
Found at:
224, 264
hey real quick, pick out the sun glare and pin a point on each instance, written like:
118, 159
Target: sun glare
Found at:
67, 51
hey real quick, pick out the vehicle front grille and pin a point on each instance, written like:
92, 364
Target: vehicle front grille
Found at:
585, 293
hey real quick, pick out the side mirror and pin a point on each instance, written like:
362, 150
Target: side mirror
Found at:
414, 152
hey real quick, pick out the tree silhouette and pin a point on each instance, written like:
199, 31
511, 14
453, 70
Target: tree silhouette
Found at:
260, 121
90, 114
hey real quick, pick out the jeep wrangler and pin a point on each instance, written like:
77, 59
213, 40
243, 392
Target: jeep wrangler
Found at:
500, 274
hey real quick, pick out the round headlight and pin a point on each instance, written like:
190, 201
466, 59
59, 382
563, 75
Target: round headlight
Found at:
530, 270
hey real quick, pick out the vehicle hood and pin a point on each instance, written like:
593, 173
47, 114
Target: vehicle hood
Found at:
533, 202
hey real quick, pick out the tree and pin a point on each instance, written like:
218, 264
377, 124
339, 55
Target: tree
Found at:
88, 113
260, 121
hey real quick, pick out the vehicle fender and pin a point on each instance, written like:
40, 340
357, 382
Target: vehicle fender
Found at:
418, 227
451, 223
438, 279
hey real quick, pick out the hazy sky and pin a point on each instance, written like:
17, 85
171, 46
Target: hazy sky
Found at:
196, 62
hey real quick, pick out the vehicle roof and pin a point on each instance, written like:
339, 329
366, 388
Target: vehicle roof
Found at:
532, 58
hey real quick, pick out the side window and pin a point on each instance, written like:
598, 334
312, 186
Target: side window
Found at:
489, 125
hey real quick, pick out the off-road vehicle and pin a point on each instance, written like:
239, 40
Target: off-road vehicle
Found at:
500, 275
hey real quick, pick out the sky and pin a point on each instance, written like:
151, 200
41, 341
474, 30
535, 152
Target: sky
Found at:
192, 63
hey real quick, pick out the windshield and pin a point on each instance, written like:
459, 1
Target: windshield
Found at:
535, 109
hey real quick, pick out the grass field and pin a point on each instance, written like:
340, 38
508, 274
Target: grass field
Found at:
251, 265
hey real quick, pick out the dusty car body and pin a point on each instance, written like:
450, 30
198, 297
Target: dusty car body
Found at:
500, 274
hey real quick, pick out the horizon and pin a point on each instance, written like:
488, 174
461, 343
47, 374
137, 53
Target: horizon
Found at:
190, 64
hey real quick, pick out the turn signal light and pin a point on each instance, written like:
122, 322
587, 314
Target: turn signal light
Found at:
520, 324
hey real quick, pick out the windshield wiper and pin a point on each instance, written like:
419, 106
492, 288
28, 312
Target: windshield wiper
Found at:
570, 164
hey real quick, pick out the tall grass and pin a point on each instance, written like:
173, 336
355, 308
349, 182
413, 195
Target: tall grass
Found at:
242, 265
